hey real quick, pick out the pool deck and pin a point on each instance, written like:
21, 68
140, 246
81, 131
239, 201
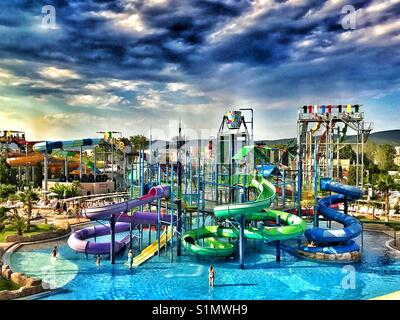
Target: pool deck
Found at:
391, 296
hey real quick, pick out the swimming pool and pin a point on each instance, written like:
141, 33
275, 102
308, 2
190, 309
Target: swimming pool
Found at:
187, 276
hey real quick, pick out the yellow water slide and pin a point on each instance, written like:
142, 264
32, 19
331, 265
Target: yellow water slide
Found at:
152, 249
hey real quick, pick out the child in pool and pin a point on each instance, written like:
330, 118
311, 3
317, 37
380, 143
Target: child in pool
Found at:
130, 258
211, 276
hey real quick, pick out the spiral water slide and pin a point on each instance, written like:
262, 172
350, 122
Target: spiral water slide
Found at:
34, 158
335, 241
256, 210
79, 242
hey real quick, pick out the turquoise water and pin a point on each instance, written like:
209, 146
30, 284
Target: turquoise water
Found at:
187, 276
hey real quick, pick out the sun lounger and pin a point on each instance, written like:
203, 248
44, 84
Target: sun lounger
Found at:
363, 210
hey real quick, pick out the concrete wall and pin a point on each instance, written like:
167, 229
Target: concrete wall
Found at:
89, 187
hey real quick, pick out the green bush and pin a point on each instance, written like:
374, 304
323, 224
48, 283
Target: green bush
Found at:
67, 190
6, 190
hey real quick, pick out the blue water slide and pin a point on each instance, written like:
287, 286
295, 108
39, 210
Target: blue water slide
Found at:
50, 146
338, 240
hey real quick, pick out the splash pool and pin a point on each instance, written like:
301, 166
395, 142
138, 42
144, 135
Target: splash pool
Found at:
187, 276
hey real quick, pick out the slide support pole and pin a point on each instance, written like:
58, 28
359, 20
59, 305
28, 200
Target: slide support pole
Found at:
284, 189
46, 172
150, 233
94, 163
112, 244
158, 212
172, 209
241, 241
80, 162
299, 185
346, 205
316, 223
278, 242
66, 168
179, 228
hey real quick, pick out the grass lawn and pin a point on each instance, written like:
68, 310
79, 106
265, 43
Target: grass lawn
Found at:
7, 285
35, 229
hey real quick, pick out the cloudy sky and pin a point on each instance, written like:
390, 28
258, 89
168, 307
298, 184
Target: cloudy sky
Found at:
132, 65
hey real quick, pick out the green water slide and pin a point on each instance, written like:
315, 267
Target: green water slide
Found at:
90, 164
293, 226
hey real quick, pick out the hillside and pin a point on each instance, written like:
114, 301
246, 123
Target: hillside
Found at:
382, 137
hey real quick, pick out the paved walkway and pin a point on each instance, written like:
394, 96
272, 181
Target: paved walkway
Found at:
391, 296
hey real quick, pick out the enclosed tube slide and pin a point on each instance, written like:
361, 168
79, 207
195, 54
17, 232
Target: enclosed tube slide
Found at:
337, 240
50, 146
293, 226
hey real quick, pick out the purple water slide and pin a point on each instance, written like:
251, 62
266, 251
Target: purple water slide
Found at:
78, 240
104, 213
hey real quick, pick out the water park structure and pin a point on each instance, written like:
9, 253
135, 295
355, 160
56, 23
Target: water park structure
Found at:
224, 188
210, 199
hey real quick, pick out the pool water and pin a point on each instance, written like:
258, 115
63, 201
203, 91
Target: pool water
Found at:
187, 276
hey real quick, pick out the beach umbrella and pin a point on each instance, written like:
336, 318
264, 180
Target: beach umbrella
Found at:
53, 194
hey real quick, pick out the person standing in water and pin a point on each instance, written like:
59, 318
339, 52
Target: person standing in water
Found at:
98, 260
130, 258
211, 276
54, 253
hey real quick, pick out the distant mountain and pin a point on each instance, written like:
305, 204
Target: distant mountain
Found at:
380, 137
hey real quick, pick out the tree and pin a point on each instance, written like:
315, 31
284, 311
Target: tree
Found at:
138, 142
351, 176
347, 153
3, 216
8, 175
28, 197
17, 222
385, 184
67, 191
384, 157
38, 176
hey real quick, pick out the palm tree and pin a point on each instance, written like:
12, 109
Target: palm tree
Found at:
385, 184
17, 222
28, 197
3, 216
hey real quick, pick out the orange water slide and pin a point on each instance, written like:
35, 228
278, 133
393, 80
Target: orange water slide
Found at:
35, 158
32, 159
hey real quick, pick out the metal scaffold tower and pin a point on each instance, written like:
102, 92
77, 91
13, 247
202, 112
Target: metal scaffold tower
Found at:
322, 132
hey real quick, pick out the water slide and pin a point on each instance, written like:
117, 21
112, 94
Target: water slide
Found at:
31, 159
34, 158
337, 240
50, 146
90, 165
152, 249
293, 226
62, 149
79, 242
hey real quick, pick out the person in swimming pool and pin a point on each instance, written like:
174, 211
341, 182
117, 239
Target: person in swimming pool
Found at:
98, 260
54, 253
130, 258
211, 276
